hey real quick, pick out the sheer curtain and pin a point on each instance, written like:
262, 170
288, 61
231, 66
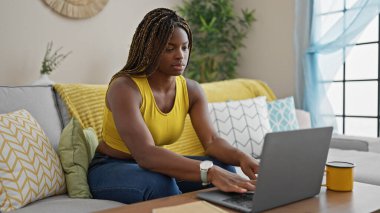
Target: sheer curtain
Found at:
323, 28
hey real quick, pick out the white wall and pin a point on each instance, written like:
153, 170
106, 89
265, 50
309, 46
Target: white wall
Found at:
100, 44
269, 52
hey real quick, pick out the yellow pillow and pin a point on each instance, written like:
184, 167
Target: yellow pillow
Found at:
29, 167
85, 102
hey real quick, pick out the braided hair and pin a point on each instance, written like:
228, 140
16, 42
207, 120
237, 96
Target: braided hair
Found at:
150, 40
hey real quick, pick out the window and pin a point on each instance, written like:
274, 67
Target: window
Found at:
354, 93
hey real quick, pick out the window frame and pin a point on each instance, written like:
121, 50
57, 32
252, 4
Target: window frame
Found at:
344, 81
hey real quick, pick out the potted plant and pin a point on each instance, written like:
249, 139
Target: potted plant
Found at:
218, 34
50, 62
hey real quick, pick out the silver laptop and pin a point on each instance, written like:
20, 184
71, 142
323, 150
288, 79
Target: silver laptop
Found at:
291, 169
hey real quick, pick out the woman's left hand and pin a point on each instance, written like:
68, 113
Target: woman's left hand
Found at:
249, 166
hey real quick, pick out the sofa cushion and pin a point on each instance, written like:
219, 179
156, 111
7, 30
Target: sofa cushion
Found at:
282, 115
76, 150
40, 102
237, 89
84, 102
29, 167
64, 112
64, 204
243, 123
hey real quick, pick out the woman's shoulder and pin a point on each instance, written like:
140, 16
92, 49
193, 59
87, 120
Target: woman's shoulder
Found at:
191, 84
195, 91
123, 86
122, 83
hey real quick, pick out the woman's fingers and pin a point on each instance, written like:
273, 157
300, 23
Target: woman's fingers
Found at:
231, 182
248, 185
233, 188
249, 166
250, 173
240, 187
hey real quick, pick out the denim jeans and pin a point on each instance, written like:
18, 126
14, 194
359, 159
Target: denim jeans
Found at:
125, 181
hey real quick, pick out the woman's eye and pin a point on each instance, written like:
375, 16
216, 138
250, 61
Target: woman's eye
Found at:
169, 49
185, 48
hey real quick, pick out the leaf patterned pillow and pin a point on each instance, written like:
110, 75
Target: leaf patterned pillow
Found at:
29, 167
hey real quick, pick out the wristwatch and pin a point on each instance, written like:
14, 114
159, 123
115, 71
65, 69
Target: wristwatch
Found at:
204, 167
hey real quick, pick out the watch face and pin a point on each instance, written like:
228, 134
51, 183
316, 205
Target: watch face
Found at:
206, 164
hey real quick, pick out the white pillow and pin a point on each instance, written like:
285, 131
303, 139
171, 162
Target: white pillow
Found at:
29, 167
242, 123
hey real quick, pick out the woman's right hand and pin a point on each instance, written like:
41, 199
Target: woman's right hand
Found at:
229, 182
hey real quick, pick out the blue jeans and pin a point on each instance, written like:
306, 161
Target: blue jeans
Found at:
125, 181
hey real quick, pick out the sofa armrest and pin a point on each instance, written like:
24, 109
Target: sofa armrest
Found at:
359, 143
338, 141
303, 119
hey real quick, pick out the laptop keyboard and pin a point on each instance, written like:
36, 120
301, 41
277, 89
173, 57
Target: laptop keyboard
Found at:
244, 200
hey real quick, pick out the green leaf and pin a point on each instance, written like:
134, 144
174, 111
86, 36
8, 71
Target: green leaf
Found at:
51, 61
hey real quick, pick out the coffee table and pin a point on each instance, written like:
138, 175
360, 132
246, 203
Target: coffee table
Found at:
364, 198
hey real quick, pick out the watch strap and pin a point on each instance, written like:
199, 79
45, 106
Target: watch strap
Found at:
204, 178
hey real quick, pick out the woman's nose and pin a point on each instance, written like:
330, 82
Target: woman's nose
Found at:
180, 54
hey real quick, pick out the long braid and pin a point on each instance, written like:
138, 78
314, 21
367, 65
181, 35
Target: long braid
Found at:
149, 41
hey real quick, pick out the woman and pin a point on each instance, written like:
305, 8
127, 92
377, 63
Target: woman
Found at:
146, 105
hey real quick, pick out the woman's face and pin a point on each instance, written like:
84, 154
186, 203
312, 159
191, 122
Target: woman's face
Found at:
174, 57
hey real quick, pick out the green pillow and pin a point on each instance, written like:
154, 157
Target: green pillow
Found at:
76, 149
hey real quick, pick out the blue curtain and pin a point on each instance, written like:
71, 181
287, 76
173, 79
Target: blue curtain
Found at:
319, 49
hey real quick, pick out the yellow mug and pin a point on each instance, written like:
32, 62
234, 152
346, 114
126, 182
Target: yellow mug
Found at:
339, 176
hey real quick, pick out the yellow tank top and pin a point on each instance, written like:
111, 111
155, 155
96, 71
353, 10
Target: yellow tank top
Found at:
165, 128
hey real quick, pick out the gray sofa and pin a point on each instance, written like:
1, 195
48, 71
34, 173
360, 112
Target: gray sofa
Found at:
45, 105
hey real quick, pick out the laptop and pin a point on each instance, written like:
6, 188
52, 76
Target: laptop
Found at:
291, 169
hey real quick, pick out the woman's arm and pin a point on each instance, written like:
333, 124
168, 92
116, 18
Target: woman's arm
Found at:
214, 145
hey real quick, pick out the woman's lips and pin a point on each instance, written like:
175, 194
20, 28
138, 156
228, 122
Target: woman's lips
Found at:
178, 66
